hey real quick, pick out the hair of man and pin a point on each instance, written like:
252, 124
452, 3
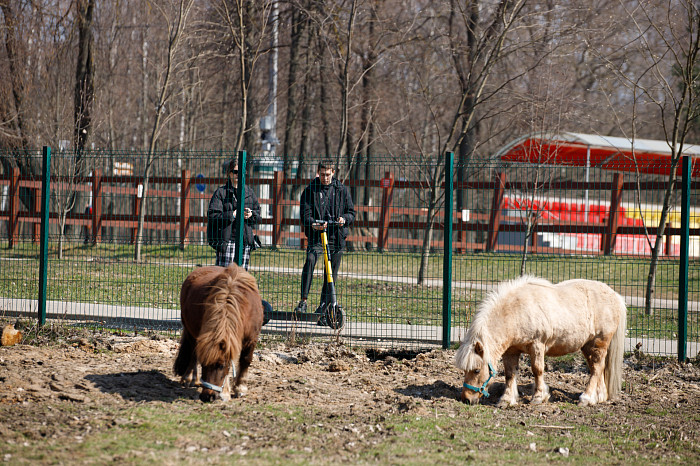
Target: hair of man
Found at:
326, 164
232, 166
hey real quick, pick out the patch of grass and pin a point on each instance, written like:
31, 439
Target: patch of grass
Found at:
655, 411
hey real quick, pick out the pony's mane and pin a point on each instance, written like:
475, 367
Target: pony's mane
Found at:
222, 321
466, 359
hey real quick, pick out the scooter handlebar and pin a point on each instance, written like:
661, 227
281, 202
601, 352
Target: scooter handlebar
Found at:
329, 223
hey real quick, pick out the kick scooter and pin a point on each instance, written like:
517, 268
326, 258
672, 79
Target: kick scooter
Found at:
331, 313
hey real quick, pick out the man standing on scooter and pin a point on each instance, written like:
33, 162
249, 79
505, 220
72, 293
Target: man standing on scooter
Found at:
325, 198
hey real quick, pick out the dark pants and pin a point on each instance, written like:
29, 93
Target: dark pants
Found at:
313, 253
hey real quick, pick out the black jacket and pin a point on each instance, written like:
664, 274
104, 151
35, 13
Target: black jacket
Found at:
220, 216
341, 206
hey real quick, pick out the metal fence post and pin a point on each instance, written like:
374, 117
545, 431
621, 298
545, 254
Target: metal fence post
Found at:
240, 194
683, 269
44, 237
447, 251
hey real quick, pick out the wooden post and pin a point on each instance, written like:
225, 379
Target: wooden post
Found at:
185, 209
533, 239
36, 218
96, 206
385, 216
461, 234
611, 227
495, 217
668, 244
277, 209
14, 208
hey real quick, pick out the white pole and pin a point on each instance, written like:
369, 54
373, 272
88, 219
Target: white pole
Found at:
272, 109
588, 168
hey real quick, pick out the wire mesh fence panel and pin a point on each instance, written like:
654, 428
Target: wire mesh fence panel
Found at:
126, 228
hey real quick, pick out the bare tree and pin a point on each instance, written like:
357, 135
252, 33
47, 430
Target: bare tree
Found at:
14, 126
84, 76
484, 47
64, 168
246, 26
668, 41
175, 17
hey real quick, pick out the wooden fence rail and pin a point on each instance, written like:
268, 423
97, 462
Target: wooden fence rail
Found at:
489, 223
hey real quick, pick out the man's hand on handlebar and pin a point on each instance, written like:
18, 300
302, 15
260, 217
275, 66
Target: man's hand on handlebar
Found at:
321, 225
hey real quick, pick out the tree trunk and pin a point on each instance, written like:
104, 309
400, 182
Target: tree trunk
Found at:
658, 244
366, 118
345, 84
83, 97
427, 239
468, 131
13, 110
84, 77
529, 227
323, 72
294, 86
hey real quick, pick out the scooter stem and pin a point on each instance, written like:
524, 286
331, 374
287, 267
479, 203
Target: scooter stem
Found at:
329, 270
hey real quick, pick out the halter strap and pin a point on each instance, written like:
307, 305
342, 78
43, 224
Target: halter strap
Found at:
211, 386
217, 388
481, 389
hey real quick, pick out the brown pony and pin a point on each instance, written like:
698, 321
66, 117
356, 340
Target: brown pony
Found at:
530, 315
221, 314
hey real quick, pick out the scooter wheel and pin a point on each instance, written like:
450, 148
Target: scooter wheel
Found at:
335, 316
267, 310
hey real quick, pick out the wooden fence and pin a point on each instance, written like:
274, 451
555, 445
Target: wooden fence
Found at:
489, 222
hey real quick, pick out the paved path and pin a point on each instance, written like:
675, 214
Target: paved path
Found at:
365, 333
379, 334
635, 301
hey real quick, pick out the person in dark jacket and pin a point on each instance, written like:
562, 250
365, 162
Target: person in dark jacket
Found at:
325, 198
221, 232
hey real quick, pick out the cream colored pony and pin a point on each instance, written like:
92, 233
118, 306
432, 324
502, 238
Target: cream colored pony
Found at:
531, 315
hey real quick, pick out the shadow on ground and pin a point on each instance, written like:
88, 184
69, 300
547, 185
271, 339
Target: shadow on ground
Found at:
142, 386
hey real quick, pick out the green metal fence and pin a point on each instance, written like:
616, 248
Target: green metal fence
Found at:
551, 221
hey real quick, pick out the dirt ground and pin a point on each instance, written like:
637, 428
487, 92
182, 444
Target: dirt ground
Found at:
85, 373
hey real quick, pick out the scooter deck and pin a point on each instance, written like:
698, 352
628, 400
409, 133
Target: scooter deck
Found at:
291, 315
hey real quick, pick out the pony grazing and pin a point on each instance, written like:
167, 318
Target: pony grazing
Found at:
531, 315
222, 314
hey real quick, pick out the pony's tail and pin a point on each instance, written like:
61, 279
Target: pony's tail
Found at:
613, 360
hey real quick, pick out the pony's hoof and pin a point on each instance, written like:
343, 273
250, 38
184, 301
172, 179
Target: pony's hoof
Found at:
187, 383
241, 390
538, 400
585, 400
503, 404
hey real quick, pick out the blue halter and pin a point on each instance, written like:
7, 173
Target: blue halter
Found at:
217, 388
211, 386
482, 389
